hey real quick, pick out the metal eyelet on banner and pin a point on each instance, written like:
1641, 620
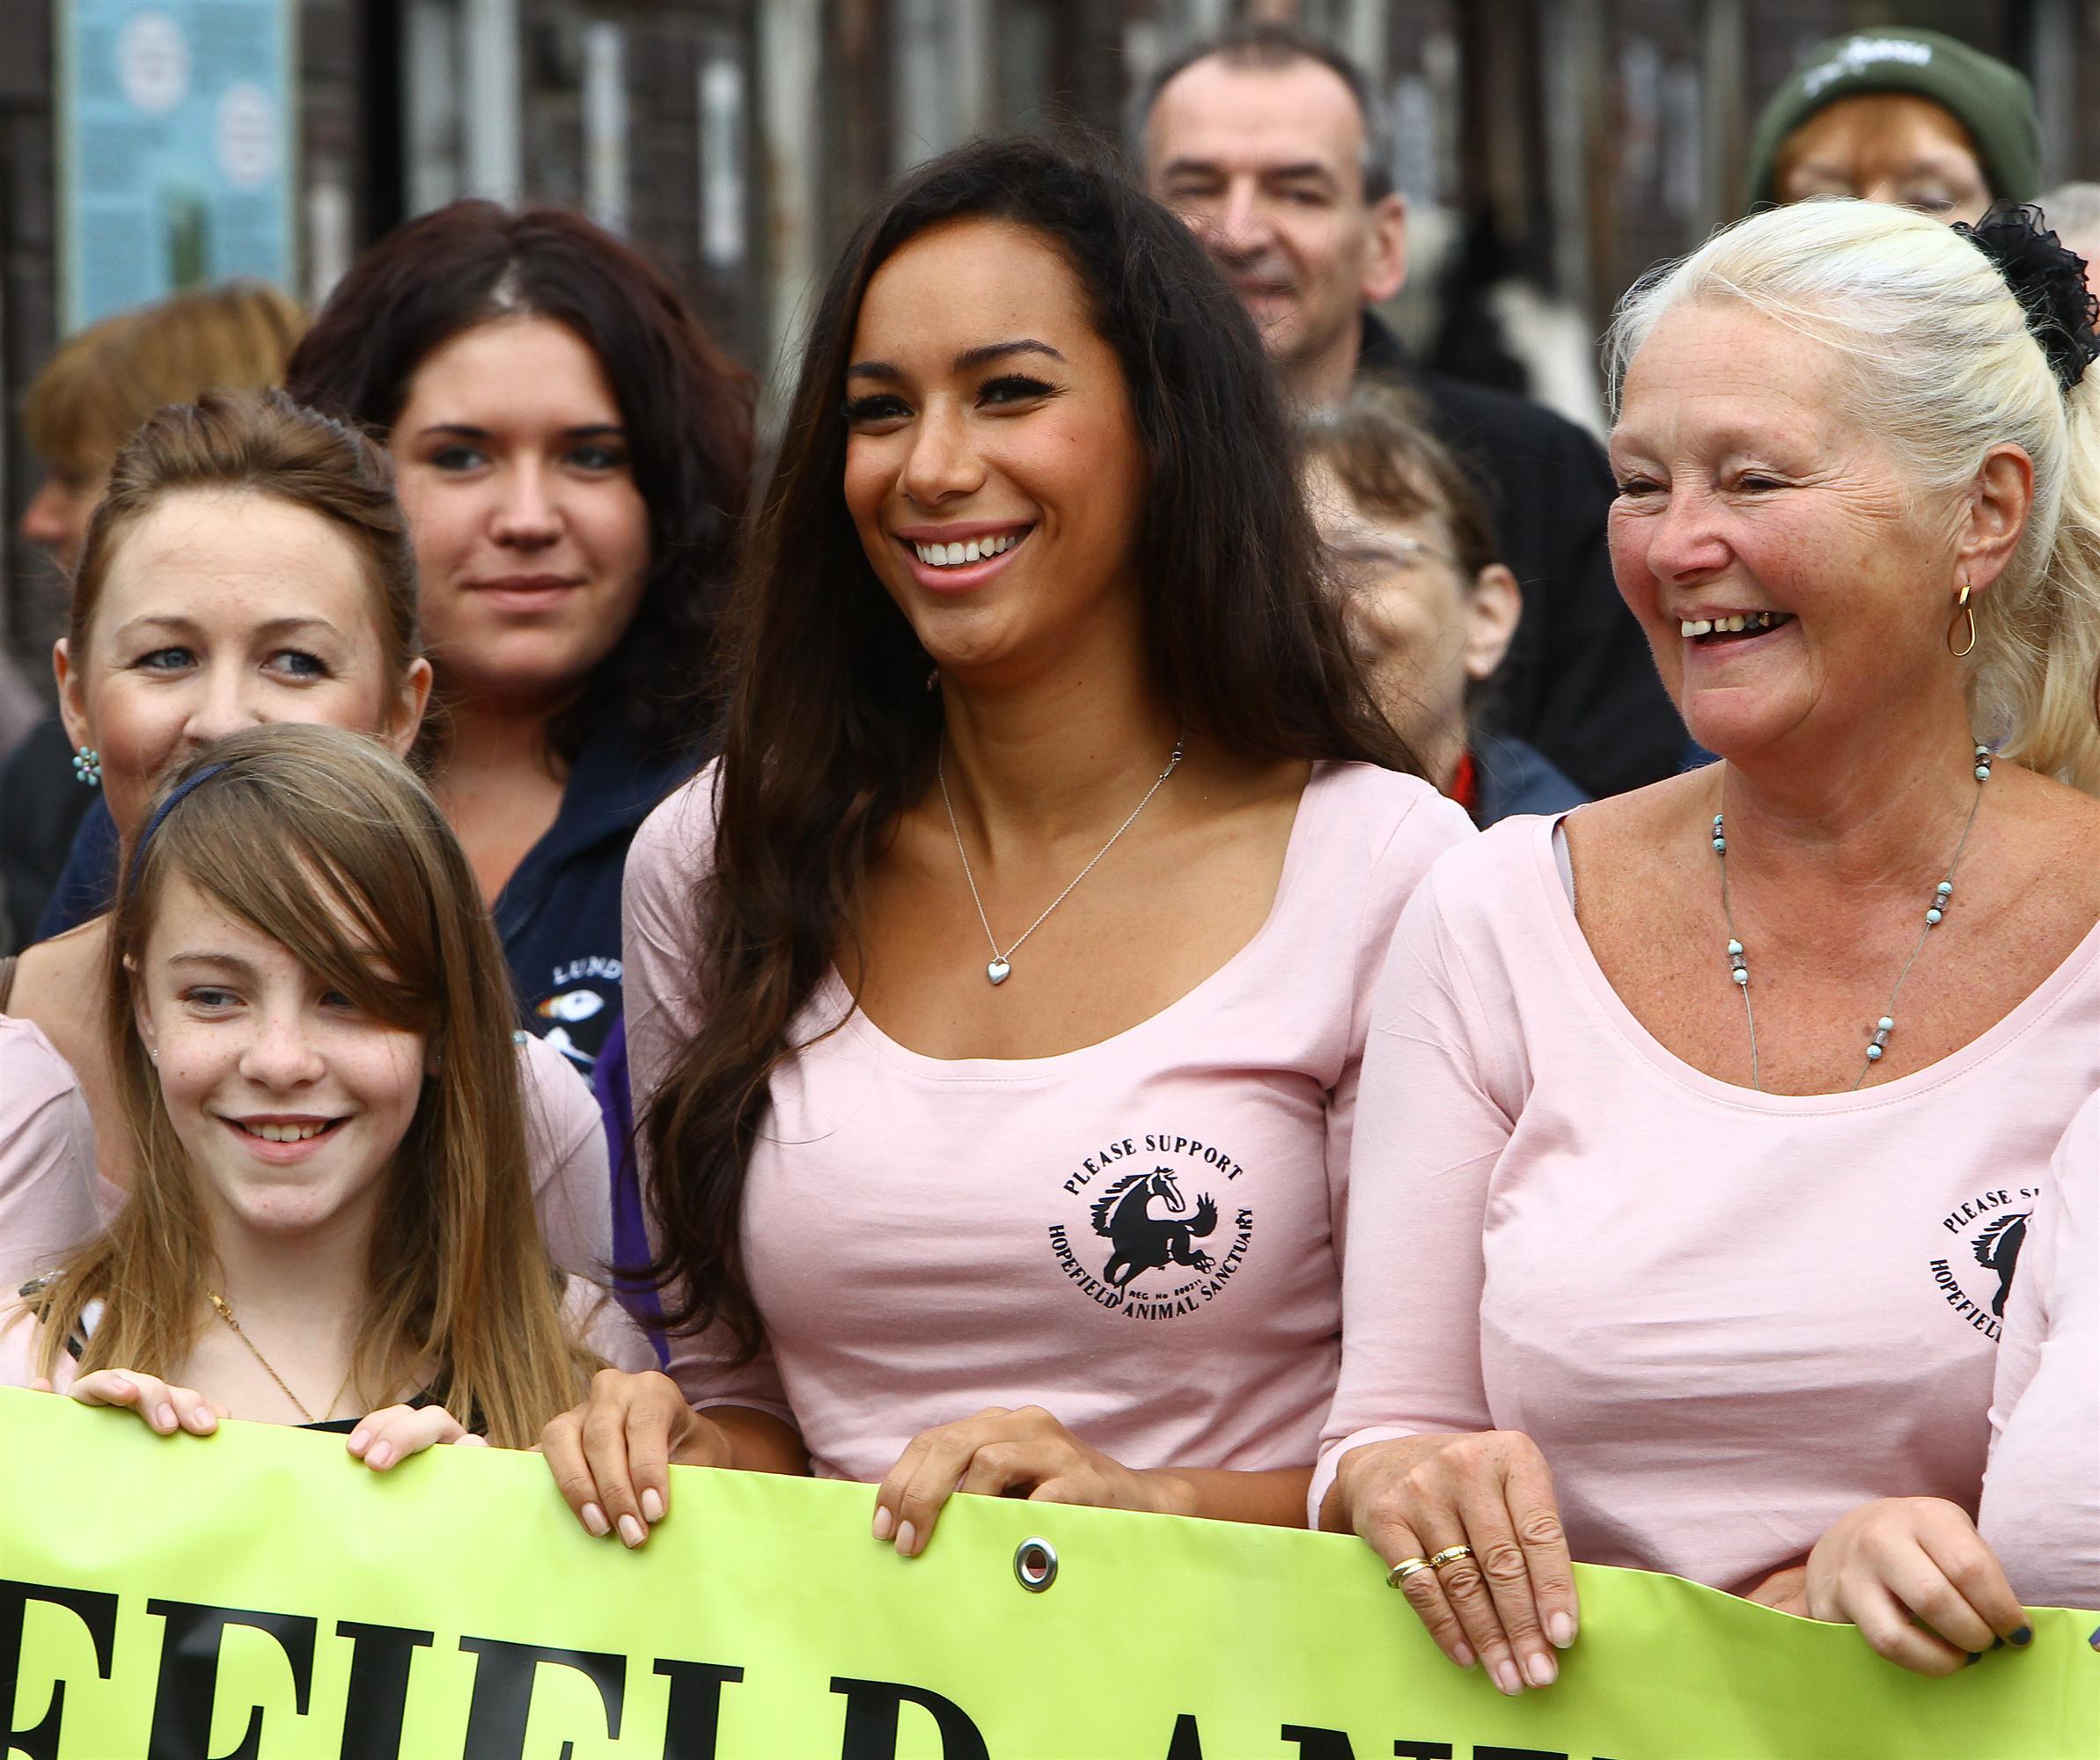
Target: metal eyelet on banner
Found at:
1035, 1565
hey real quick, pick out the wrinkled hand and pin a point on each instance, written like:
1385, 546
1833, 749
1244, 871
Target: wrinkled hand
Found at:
1513, 1602
1010, 1453
169, 1410
1914, 1574
610, 1454
393, 1433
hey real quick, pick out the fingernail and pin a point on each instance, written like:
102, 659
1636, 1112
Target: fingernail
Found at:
1507, 1679
2095, 1640
381, 1454
594, 1519
1462, 1655
1975, 1656
358, 1439
165, 1417
206, 1420
1539, 1669
631, 1531
652, 1504
2023, 1638
908, 1541
1561, 1629
884, 1522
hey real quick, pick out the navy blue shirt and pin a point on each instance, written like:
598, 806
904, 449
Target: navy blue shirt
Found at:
1511, 777
558, 915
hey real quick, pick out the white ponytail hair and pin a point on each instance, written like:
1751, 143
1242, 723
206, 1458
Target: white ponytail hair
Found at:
1942, 369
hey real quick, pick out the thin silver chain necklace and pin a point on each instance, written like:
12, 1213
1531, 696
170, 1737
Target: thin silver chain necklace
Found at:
1935, 914
1002, 963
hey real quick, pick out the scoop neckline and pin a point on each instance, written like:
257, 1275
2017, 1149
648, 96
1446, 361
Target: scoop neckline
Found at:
856, 1021
1574, 947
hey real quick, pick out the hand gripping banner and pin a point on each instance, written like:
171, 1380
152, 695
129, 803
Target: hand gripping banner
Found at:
257, 1593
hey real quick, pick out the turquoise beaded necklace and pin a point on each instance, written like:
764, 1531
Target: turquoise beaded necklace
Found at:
1935, 914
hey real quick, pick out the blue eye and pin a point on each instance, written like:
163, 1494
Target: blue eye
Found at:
300, 663
210, 998
164, 660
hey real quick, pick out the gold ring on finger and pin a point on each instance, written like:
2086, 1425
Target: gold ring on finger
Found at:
1406, 1568
1450, 1554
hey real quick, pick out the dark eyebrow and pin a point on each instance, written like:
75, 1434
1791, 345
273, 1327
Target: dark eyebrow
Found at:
467, 430
968, 361
1294, 173
1188, 167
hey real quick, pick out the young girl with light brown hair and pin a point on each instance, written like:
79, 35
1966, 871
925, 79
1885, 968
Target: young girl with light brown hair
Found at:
311, 1023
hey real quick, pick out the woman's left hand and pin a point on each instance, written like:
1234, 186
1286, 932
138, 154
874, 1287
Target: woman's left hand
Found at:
393, 1433
1000, 1453
1914, 1574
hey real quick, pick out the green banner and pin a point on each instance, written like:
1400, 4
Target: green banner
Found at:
258, 1594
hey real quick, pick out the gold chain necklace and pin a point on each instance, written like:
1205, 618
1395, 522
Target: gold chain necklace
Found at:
225, 1312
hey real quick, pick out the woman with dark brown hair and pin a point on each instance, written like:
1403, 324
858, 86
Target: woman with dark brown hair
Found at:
571, 451
1032, 659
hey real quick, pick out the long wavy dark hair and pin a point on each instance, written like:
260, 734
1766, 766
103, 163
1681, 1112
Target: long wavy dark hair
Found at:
686, 406
830, 731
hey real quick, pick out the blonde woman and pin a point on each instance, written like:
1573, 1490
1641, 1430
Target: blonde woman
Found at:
331, 1226
1694, 1123
248, 563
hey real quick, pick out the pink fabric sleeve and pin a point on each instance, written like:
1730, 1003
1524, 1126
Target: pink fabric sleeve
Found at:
2027, 1317
1426, 1135
670, 853
47, 1156
603, 1326
1422, 834
572, 1179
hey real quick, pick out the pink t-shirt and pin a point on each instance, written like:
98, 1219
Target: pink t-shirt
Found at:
1725, 1316
1141, 1236
47, 1153
2041, 1493
52, 1198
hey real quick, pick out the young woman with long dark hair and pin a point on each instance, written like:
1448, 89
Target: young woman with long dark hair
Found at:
996, 1001
571, 450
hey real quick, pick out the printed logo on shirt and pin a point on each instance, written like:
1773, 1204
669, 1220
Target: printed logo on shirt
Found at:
1976, 1275
1146, 1234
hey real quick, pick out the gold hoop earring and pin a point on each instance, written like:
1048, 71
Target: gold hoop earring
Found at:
1962, 610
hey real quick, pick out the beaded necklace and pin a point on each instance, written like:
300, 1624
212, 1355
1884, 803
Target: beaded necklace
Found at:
1935, 914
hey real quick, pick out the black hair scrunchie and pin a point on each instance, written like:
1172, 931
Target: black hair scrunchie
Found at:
2049, 282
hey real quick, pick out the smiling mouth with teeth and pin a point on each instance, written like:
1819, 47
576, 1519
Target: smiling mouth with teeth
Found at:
287, 1133
973, 550
1741, 623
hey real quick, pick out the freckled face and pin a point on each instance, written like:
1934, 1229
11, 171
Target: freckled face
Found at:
290, 1101
993, 469
531, 539
219, 611
1745, 488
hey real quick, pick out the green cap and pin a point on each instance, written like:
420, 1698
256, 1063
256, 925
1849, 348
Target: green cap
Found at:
1992, 101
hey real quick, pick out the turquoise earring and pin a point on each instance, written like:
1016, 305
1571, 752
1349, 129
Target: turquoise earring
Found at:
87, 767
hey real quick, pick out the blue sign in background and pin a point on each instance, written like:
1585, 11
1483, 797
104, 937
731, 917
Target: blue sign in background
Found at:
176, 157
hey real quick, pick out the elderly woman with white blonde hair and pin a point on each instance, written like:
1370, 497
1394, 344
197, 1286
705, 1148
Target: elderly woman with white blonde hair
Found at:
1699, 1126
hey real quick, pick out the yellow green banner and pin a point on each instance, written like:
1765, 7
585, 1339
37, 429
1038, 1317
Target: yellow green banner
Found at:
257, 1593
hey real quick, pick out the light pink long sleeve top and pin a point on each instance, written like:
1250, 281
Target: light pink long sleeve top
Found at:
2041, 1492
1141, 1236
47, 1153
1725, 1316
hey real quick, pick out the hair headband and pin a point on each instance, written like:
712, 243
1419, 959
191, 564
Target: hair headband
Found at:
175, 800
2047, 280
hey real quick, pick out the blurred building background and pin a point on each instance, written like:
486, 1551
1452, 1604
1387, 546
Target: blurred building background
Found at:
1555, 147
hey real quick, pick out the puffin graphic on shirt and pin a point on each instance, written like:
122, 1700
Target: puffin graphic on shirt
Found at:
1149, 1229
576, 1012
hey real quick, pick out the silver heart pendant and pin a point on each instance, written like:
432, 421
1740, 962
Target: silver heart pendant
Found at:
997, 971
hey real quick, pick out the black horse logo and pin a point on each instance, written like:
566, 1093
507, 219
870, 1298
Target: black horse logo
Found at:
1998, 1249
1144, 1242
